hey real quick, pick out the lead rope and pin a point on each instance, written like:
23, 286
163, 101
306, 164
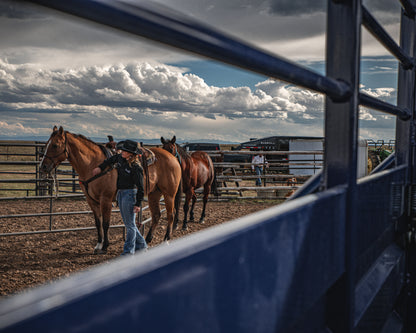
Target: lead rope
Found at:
55, 188
177, 154
86, 182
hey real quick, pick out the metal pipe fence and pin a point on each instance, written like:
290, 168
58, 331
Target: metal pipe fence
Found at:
52, 214
241, 180
67, 181
347, 251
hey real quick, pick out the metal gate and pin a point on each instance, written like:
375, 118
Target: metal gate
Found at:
340, 259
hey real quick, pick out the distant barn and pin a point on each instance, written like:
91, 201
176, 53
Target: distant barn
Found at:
278, 143
301, 143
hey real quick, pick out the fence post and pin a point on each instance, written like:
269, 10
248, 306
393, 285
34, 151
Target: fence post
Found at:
405, 154
50, 204
74, 186
41, 179
341, 137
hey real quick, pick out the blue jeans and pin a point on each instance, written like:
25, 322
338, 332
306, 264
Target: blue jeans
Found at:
134, 240
259, 171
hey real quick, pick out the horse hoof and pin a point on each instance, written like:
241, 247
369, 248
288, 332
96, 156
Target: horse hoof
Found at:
184, 228
201, 221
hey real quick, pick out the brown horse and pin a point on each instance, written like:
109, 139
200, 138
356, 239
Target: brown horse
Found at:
197, 171
84, 155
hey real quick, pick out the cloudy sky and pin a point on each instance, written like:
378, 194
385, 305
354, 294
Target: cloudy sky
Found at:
96, 81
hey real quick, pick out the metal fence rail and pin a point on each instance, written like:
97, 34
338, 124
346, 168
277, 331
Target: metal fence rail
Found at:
67, 181
331, 261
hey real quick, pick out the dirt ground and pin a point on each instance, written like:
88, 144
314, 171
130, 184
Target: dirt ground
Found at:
30, 260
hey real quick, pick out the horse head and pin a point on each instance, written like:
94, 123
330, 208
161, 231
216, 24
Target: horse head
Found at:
169, 145
55, 150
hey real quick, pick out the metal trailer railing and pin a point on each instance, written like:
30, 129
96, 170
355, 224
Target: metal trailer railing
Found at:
341, 259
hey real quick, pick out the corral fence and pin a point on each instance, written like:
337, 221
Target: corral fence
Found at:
24, 166
339, 258
23, 159
19, 164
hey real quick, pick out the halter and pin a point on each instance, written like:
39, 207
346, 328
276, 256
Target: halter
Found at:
177, 155
65, 151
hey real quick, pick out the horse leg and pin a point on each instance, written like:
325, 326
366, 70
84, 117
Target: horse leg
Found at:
169, 204
178, 198
185, 210
106, 216
191, 212
100, 233
207, 189
154, 207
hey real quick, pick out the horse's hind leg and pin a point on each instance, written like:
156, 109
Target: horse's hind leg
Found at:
185, 210
178, 198
154, 207
106, 216
191, 212
100, 233
207, 189
169, 204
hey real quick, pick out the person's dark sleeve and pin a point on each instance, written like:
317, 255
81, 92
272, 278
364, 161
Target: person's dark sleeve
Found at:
109, 161
138, 180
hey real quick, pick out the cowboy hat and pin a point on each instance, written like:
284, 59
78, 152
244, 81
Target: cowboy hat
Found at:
129, 146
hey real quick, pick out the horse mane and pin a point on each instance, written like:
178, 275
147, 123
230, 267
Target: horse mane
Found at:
182, 153
85, 139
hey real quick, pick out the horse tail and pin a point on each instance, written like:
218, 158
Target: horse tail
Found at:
178, 198
214, 188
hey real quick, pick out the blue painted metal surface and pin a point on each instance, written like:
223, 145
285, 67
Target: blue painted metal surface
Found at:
244, 276
386, 164
310, 186
383, 281
341, 142
409, 7
374, 103
378, 31
332, 261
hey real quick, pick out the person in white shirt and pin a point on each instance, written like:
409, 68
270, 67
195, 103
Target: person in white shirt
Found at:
257, 164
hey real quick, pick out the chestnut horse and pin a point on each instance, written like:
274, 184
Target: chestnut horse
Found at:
84, 155
197, 171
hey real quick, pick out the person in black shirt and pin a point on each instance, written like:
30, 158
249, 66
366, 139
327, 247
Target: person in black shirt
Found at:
130, 191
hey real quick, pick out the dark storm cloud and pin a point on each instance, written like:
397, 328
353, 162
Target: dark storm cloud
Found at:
18, 10
294, 7
382, 5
